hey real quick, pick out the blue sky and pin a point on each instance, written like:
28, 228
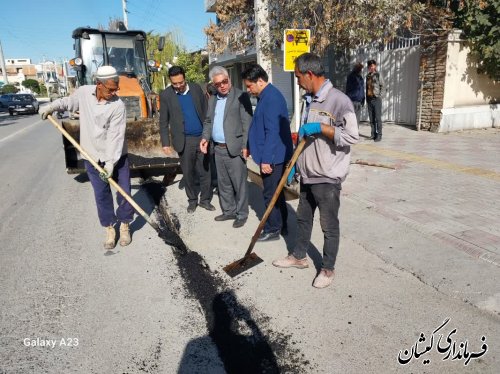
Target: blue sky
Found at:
36, 29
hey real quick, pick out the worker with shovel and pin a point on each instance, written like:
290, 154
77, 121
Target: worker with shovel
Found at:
330, 128
102, 135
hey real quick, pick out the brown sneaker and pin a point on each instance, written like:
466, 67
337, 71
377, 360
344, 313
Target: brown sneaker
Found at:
324, 278
125, 238
291, 262
110, 237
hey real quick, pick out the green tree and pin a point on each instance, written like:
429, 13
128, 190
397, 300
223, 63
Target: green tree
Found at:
345, 24
478, 20
173, 53
9, 88
43, 90
196, 69
171, 48
32, 84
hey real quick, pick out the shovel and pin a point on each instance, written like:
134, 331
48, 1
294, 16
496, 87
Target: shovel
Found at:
101, 170
250, 259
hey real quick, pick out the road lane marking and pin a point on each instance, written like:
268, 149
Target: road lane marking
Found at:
478, 172
20, 131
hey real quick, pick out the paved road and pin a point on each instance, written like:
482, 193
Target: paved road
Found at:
116, 312
418, 249
405, 264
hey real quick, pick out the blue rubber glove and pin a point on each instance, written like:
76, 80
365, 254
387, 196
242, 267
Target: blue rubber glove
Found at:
308, 129
289, 179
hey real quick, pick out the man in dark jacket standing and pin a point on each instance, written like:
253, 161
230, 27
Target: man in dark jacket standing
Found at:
270, 144
183, 108
355, 88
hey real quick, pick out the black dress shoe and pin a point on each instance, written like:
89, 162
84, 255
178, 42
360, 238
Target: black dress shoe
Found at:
225, 217
378, 138
191, 207
207, 206
269, 236
239, 222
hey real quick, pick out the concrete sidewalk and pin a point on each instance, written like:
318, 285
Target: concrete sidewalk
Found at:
420, 244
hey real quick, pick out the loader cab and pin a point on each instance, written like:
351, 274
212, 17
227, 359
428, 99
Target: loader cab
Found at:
124, 50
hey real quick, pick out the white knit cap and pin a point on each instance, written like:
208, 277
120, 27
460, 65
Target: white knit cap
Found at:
106, 72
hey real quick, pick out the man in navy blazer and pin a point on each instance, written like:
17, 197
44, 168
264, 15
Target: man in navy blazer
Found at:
183, 108
270, 144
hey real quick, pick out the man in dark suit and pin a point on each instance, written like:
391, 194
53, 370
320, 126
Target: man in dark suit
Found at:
183, 109
270, 144
227, 122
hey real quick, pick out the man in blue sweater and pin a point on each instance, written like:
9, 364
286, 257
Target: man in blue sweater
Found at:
183, 108
270, 144
355, 89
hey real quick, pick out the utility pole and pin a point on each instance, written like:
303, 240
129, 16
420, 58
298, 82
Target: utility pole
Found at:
65, 73
125, 11
262, 37
2, 65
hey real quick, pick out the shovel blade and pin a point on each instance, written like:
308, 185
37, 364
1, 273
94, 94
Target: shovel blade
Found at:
241, 265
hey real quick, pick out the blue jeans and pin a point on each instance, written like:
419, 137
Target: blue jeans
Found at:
104, 197
325, 197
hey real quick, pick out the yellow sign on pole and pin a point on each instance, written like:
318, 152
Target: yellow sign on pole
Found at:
297, 42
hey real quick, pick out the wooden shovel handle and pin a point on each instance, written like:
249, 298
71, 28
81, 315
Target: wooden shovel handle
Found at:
281, 184
101, 170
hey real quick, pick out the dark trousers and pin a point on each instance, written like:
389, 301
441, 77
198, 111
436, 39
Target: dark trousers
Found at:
357, 109
278, 217
325, 197
104, 197
232, 176
375, 112
196, 170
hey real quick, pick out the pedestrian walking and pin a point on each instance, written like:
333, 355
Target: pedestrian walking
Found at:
226, 128
270, 144
329, 123
374, 90
183, 107
102, 135
355, 89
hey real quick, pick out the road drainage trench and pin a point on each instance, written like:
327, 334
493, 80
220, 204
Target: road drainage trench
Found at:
242, 335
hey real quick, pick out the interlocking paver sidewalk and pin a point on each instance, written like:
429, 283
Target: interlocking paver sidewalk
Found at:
444, 185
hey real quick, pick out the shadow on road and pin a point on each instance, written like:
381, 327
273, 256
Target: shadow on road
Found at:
240, 343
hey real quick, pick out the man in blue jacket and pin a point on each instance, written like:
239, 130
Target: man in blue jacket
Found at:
355, 89
270, 144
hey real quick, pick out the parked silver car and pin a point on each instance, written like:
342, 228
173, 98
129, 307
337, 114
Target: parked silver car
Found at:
23, 103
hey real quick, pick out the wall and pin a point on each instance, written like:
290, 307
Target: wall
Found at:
432, 76
454, 96
463, 85
283, 80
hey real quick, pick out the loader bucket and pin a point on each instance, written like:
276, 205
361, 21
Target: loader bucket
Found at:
145, 153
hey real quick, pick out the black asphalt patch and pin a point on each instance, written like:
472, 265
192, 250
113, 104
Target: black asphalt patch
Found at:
244, 339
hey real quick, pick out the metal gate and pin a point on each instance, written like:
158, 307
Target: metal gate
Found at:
398, 63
